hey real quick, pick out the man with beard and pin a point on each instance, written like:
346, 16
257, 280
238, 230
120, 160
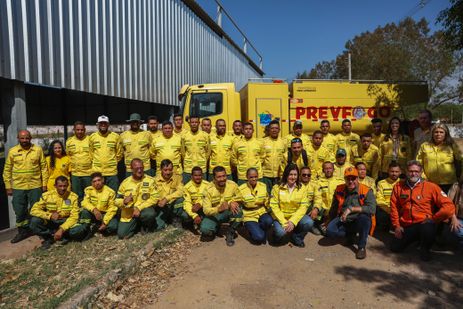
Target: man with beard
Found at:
318, 153
297, 133
341, 164
383, 196
25, 175
153, 127
275, 149
221, 147
136, 144
295, 155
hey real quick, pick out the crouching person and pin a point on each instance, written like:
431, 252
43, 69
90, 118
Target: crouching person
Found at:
255, 203
193, 197
220, 205
136, 198
99, 208
351, 211
289, 203
55, 216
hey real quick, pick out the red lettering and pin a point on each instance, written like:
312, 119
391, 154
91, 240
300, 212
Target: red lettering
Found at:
299, 112
384, 111
312, 112
323, 112
335, 111
372, 112
346, 111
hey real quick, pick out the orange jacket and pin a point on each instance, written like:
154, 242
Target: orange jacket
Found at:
414, 205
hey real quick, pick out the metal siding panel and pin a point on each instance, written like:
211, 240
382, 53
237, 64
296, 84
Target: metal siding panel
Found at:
11, 39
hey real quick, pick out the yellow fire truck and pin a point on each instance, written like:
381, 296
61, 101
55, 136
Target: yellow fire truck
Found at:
310, 101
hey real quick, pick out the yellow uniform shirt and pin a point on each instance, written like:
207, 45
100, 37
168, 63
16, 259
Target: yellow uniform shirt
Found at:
103, 200
106, 151
325, 192
192, 194
235, 137
346, 142
288, 206
25, 169
79, 153
220, 151
168, 148
246, 154
439, 162
398, 150
255, 201
377, 139
274, 153
370, 157
311, 188
170, 189
384, 192
136, 145
369, 182
62, 168
196, 149
299, 161
304, 137
318, 157
143, 192
329, 142
180, 133
155, 134
213, 197
51, 202
339, 170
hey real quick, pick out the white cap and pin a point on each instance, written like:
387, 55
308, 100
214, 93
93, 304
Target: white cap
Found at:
103, 118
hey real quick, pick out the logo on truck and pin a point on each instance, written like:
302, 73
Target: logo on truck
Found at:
341, 112
265, 118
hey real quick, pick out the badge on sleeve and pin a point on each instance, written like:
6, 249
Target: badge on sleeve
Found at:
145, 196
67, 202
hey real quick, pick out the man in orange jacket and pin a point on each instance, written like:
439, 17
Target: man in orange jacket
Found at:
417, 206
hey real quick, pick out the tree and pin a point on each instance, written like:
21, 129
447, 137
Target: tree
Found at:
452, 21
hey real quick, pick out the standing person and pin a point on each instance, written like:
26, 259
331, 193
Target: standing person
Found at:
364, 178
351, 212
297, 133
255, 204
395, 148
78, 150
55, 216
383, 196
25, 175
168, 146
347, 139
329, 140
206, 125
153, 127
247, 152
296, 155
136, 198
221, 204
220, 149
341, 163
417, 207
237, 132
193, 196
318, 153
377, 135
195, 145
58, 163
289, 204
441, 158
423, 133
136, 144
367, 153
106, 150
179, 129
275, 148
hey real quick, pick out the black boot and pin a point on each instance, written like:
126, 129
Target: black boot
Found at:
23, 233
230, 237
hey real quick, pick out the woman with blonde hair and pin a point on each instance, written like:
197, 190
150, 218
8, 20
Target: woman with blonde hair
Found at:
440, 157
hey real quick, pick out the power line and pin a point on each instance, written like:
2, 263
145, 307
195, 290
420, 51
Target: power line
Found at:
420, 5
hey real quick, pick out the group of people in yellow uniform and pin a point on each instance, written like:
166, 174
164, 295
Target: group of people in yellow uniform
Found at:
200, 177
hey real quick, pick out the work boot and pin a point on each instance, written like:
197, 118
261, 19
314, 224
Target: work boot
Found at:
425, 255
230, 237
177, 222
23, 233
91, 231
206, 238
361, 253
298, 243
46, 244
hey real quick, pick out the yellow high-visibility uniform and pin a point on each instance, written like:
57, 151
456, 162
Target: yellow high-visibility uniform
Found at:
136, 145
329, 142
168, 148
103, 200
247, 153
170, 189
325, 192
192, 194
144, 195
288, 206
235, 137
384, 192
220, 152
304, 137
339, 170
106, 151
369, 182
155, 134
370, 157
51, 202
318, 157
180, 133
403, 152
78, 151
377, 139
62, 168
346, 142
213, 197
255, 201
274, 153
311, 188
196, 150
439, 162
298, 161
25, 169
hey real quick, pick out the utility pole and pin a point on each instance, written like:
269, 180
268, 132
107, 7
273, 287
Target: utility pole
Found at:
349, 64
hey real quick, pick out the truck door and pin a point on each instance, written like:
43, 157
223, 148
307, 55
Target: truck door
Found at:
265, 111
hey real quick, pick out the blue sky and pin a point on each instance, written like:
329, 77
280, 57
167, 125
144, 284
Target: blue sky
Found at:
293, 35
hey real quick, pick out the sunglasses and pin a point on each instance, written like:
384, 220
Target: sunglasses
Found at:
306, 175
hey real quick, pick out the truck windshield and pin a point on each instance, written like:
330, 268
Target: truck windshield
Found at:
206, 104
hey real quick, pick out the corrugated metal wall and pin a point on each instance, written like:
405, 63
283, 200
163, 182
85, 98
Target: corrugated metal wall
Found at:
137, 49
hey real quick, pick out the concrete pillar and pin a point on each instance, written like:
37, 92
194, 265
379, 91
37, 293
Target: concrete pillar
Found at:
13, 98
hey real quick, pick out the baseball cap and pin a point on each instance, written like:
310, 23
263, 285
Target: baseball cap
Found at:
351, 171
297, 123
341, 152
103, 118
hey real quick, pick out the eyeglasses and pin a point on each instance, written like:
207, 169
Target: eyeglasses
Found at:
306, 175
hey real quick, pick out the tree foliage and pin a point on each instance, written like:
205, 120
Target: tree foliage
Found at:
452, 21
